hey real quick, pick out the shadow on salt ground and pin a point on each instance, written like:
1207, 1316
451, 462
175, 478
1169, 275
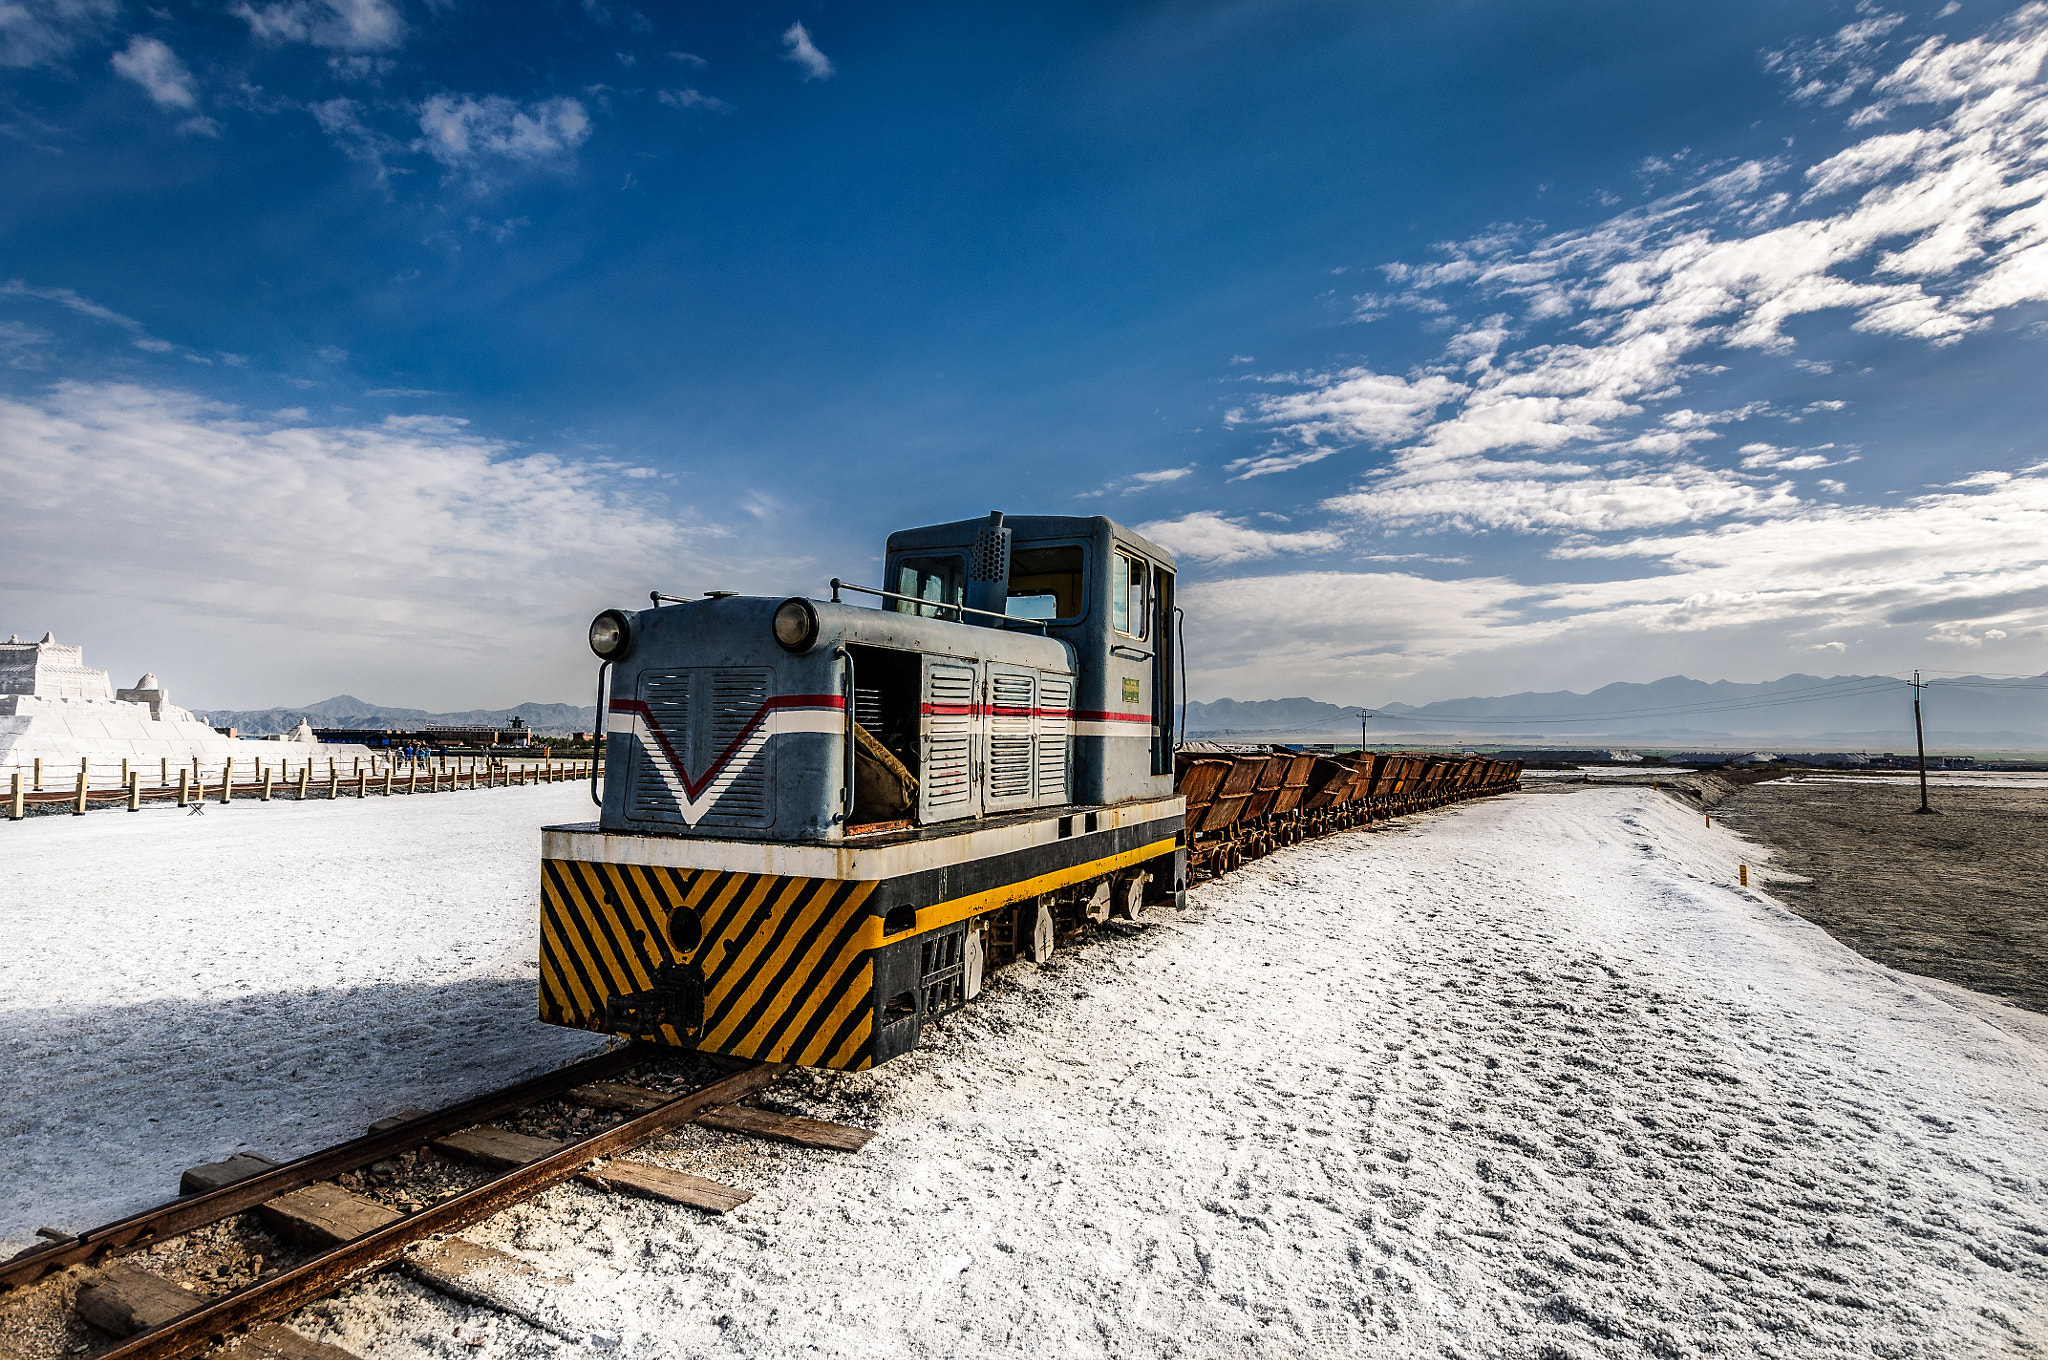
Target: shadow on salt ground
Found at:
108, 1105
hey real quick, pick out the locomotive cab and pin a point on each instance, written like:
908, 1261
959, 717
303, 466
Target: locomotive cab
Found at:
1089, 582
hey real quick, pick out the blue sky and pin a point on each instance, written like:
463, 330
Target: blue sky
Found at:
371, 346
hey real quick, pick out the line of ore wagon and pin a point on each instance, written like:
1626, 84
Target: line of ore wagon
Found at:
1242, 804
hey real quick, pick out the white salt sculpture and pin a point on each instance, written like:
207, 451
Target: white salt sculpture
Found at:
55, 708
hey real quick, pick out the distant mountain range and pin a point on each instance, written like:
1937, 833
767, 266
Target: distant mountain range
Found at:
1858, 712
1854, 711
345, 710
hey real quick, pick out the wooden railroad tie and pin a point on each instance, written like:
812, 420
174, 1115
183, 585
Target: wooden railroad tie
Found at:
503, 1149
613, 1095
786, 1128
325, 1215
214, 1175
125, 1299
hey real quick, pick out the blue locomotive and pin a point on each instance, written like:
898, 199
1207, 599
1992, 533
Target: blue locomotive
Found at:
822, 823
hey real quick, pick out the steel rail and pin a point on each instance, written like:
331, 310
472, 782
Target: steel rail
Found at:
269, 1299
196, 1211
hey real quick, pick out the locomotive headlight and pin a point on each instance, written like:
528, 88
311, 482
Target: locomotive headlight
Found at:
611, 635
796, 624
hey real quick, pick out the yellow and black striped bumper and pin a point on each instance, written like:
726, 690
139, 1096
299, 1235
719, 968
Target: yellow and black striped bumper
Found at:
784, 962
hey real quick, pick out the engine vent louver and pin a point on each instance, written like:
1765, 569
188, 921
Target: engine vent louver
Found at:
1055, 699
949, 738
667, 697
1011, 705
737, 698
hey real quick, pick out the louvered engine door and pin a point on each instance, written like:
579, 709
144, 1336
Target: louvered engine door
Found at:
1055, 713
654, 791
1012, 709
736, 746
946, 723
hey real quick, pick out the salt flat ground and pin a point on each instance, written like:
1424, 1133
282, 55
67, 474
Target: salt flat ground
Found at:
176, 987
1523, 1077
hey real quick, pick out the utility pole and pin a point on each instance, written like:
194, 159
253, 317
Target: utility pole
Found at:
1363, 714
1920, 737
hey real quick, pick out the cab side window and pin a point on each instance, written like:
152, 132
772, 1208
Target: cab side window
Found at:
941, 580
1130, 598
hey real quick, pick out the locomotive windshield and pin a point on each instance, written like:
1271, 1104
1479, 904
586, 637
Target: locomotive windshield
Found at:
1045, 583
942, 580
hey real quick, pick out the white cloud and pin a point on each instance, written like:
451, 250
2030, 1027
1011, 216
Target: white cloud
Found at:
1345, 635
85, 306
36, 32
406, 557
1161, 476
1273, 460
1475, 498
156, 68
342, 119
801, 50
693, 99
464, 132
1760, 456
21, 346
1915, 233
1956, 556
1206, 536
1358, 405
1954, 566
346, 25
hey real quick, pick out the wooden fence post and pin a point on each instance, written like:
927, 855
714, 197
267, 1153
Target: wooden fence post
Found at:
39, 774
362, 785
163, 771
390, 769
227, 779
305, 776
17, 806
135, 791
184, 786
413, 777
79, 806
268, 775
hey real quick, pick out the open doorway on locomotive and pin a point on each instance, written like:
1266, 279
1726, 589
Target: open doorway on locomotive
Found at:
822, 822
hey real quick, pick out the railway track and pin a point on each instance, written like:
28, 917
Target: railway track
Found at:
311, 1212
